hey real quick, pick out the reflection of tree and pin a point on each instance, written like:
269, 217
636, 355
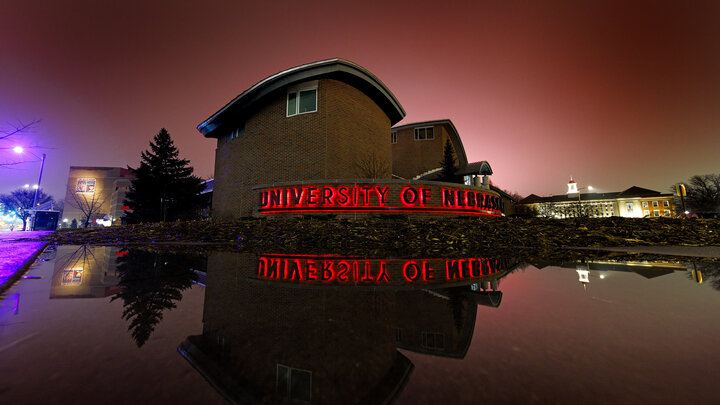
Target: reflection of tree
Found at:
151, 283
81, 258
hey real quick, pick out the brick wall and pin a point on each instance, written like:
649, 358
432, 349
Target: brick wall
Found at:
411, 158
347, 127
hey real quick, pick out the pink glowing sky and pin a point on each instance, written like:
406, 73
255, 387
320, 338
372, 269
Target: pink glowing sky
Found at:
614, 94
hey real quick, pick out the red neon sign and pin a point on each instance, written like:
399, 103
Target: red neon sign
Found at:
309, 269
359, 197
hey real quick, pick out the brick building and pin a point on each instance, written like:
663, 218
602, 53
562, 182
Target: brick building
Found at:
296, 133
634, 202
104, 188
323, 120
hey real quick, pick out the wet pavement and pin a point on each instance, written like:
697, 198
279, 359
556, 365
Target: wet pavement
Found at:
16, 248
101, 324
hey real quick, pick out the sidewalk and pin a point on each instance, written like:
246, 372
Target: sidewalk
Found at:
16, 251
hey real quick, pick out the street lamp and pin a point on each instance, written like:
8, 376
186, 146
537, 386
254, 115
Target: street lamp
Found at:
20, 149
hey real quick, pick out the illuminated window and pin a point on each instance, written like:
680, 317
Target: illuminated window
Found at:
85, 185
655, 204
666, 203
645, 204
646, 213
393, 137
435, 341
656, 213
301, 102
293, 383
666, 213
422, 134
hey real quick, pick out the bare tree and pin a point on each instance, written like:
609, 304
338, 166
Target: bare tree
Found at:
703, 193
369, 166
89, 203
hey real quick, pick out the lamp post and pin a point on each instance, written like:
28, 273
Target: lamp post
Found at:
20, 150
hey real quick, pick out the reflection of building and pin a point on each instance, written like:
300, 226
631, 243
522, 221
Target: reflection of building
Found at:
103, 187
84, 272
601, 269
635, 202
267, 341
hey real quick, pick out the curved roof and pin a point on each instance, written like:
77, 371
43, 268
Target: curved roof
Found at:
454, 136
336, 68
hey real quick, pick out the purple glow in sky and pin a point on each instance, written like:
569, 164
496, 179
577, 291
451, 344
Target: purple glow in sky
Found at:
614, 93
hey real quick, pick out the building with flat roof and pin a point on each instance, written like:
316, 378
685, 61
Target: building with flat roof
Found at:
96, 194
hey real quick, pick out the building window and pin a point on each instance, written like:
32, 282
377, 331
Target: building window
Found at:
656, 213
655, 204
646, 213
434, 341
293, 383
393, 137
666, 203
666, 213
422, 134
645, 204
629, 207
301, 102
85, 185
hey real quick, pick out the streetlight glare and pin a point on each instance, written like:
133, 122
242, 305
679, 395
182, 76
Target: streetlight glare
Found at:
18, 149
590, 188
35, 186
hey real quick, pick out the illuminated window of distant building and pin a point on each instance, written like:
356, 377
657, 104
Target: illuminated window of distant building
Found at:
301, 101
656, 213
424, 133
655, 204
85, 185
393, 137
666, 213
434, 341
646, 213
645, 204
629, 207
293, 383
666, 203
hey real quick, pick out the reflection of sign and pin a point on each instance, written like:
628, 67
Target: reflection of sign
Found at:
354, 271
85, 185
379, 197
72, 277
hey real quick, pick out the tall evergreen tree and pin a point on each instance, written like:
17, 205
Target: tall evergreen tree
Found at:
447, 173
164, 188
